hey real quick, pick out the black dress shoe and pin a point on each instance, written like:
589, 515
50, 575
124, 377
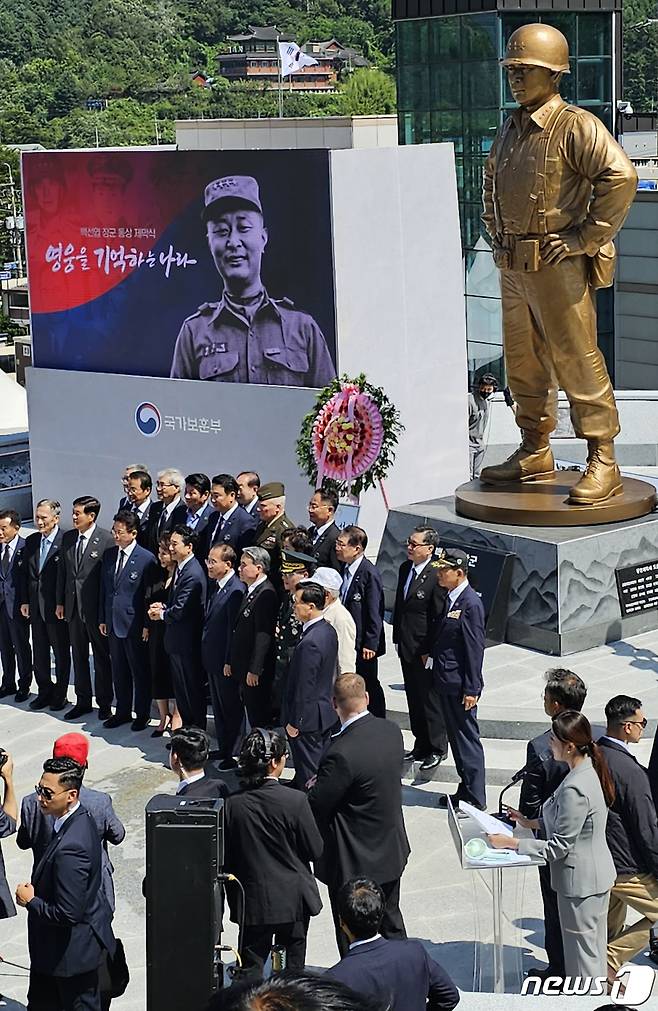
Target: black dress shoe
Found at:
22, 695
116, 721
5, 691
410, 756
58, 705
140, 723
78, 710
41, 702
430, 762
106, 714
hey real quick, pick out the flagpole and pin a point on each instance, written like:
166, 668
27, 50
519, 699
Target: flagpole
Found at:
280, 76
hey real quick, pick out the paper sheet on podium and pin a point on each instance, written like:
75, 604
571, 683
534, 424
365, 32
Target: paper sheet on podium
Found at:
487, 822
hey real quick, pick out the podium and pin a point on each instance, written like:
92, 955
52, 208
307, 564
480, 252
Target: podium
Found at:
462, 831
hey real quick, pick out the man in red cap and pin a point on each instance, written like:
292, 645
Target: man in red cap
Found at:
36, 828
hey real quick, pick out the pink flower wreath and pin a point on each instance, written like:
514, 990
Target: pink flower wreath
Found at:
348, 440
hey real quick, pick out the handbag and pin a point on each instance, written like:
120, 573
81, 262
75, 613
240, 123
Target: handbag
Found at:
118, 970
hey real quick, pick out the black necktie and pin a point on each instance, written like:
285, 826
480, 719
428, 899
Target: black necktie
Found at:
5, 560
122, 562
79, 551
313, 534
162, 521
218, 529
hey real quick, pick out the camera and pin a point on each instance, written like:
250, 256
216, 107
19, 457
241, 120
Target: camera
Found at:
3, 757
625, 108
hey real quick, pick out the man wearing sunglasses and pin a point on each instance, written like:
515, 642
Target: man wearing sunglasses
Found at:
631, 834
68, 925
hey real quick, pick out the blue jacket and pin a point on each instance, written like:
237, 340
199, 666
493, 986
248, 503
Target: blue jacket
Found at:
184, 613
221, 611
68, 921
307, 704
122, 606
36, 830
399, 973
238, 530
458, 649
11, 585
365, 602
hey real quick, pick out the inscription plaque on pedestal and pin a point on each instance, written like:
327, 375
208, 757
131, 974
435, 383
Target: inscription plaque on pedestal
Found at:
637, 586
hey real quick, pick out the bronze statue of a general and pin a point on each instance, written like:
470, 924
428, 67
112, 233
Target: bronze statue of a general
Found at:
557, 188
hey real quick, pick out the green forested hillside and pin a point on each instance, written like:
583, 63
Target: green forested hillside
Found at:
138, 55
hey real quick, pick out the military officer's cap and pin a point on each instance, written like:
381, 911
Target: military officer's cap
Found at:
275, 489
297, 561
241, 189
452, 558
109, 168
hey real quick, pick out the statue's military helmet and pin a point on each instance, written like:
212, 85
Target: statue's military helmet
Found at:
537, 45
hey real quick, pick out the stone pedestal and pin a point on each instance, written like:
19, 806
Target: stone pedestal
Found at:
564, 594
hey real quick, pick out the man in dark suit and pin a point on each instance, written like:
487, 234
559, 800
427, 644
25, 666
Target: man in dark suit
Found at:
36, 827
189, 754
183, 617
199, 507
229, 524
170, 510
78, 593
419, 602
127, 572
43, 557
248, 485
308, 712
224, 599
563, 691
631, 833
125, 502
357, 803
140, 487
457, 657
323, 531
400, 974
362, 593
14, 627
68, 925
253, 647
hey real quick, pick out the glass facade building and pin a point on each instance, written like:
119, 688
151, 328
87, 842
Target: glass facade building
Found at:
451, 88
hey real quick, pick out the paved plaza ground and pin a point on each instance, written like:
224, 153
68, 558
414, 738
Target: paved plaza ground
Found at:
449, 909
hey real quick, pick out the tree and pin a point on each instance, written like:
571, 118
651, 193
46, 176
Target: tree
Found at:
368, 92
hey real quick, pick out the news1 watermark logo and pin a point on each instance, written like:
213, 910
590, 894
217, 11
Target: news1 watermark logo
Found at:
632, 987
148, 419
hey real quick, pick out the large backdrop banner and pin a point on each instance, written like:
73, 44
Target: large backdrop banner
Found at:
191, 265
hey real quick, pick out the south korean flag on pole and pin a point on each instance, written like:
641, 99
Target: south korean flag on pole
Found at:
293, 59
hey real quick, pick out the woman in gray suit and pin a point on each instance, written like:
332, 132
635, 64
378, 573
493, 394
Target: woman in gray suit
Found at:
573, 820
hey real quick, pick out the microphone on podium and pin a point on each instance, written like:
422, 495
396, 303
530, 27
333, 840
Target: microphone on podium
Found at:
516, 778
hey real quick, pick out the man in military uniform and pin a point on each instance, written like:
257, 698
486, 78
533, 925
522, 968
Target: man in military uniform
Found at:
247, 337
295, 566
557, 188
273, 521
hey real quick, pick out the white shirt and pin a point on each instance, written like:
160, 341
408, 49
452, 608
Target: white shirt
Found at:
181, 565
141, 509
229, 512
348, 576
365, 940
353, 566
190, 779
250, 589
12, 545
617, 741
87, 534
452, 596
168, 510
321, 530
348, 723
60, 821
414, 572
313, 621
127, 552
250, 506
221, 583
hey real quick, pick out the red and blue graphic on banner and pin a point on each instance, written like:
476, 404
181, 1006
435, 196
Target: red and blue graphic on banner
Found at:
118, 255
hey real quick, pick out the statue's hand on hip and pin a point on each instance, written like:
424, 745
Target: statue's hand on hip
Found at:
556, 247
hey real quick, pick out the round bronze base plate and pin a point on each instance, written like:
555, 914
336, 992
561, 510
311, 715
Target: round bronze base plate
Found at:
545, 503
